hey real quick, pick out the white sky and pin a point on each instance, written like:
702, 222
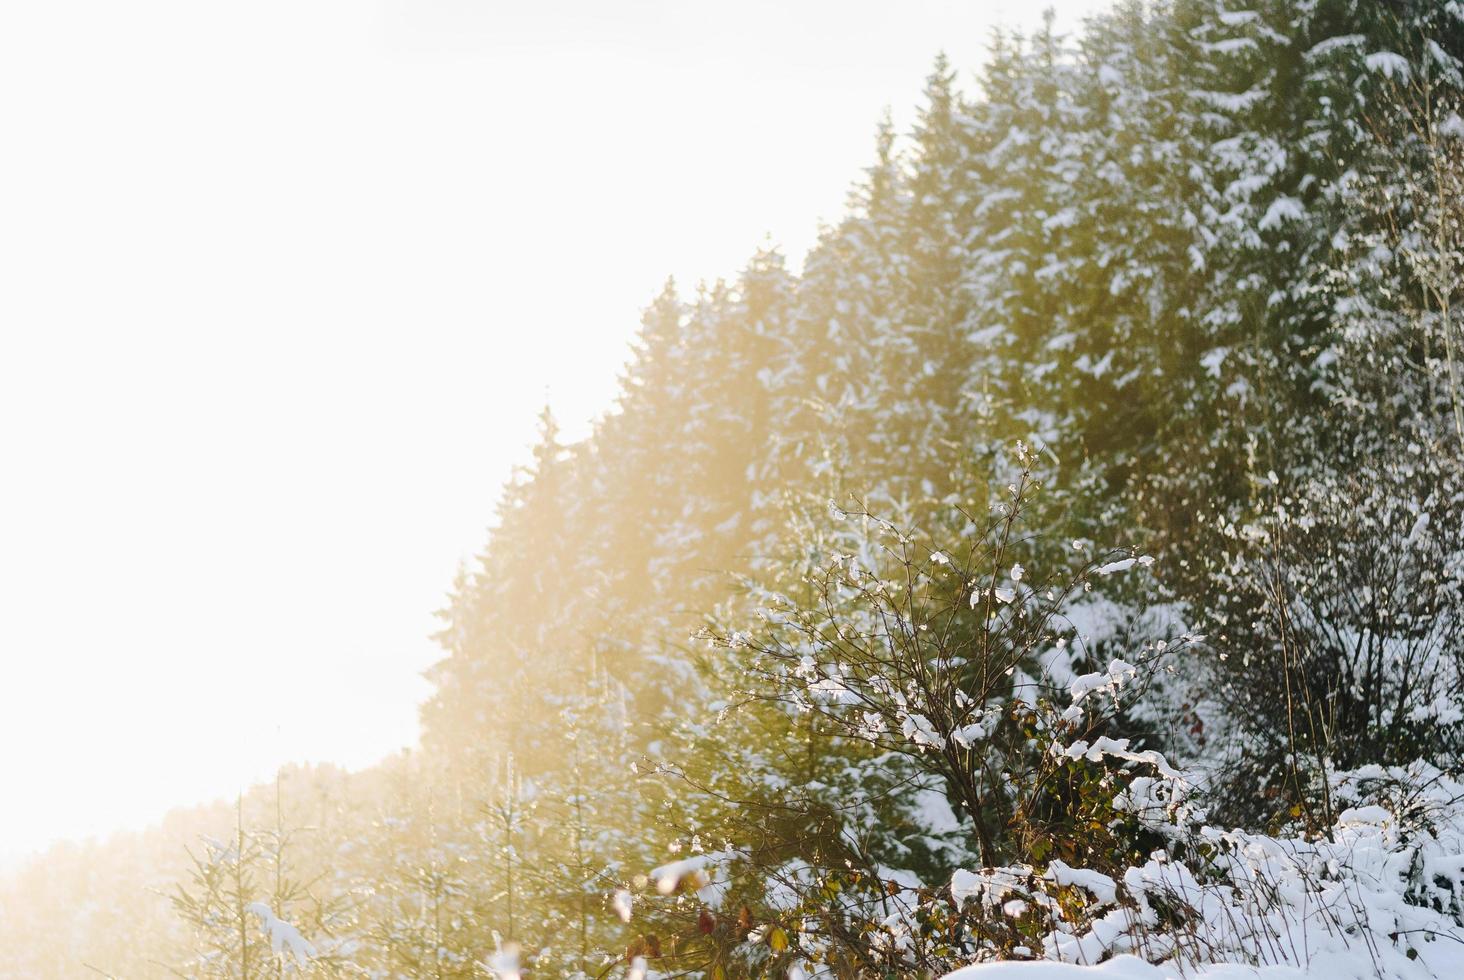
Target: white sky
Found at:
283, 285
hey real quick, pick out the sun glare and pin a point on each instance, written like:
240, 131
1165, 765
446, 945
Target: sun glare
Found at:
288, 286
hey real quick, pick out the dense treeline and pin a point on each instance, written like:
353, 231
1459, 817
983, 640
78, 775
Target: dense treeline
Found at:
1098, 481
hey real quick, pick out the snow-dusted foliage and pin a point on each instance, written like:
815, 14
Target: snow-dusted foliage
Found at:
1378, 895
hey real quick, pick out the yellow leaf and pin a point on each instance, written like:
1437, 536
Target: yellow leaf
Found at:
778, 939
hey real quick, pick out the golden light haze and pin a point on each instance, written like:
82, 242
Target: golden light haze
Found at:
286, 284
